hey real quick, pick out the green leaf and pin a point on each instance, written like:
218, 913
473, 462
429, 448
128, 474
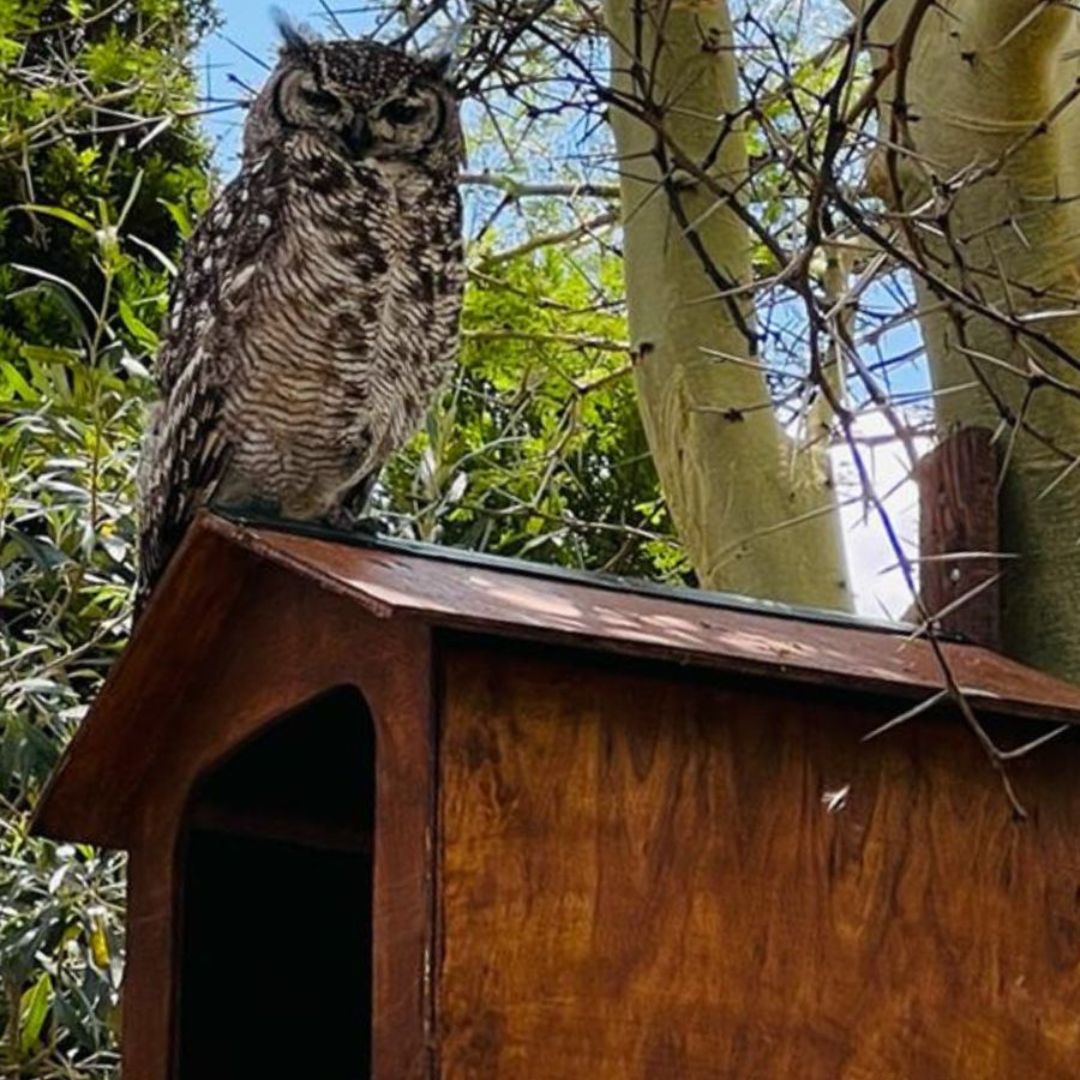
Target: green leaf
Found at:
59, 212
13, 378
134, 367
136, 326
43, 354
129, 202
56, 279
10, 49
99, 943
178, 212
170, 267
33, 1008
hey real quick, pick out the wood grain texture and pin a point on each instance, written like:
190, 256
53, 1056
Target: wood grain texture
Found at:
515, 604
639, 878
183, 626
148, 993
282, 644
958, 513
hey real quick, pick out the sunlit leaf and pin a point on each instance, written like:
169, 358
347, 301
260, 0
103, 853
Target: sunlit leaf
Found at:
137, 327
33, 1009
63, 215
99, 943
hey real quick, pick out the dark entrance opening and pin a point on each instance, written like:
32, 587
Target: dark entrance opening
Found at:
275, 952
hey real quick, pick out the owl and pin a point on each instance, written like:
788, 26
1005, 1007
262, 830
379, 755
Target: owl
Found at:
316, 312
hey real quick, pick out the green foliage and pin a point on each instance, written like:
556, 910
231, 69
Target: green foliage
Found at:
99, 155
537, 450
61, 912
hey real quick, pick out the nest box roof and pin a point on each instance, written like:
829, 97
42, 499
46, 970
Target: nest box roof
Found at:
517, 600
513, 598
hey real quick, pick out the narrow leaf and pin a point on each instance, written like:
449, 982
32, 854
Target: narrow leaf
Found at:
33, 1008
63, 215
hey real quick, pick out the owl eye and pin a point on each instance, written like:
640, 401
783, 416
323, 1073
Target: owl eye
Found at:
320, 100
402, 112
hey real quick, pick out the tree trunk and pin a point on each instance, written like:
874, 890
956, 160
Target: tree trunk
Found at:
732, 477
983, 98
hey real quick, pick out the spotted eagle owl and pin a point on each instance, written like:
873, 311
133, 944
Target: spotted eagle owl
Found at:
316, 313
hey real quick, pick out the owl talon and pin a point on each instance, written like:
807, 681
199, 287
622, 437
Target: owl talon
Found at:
251, 511
369, 526
365, 525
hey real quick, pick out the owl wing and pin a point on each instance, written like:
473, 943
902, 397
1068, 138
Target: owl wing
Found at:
185, 451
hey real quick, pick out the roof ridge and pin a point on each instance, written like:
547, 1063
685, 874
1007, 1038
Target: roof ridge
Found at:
685, 594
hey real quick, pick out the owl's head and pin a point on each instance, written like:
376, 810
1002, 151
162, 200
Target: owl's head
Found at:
368, 101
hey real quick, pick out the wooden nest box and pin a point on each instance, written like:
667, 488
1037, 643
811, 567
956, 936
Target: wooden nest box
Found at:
402, 813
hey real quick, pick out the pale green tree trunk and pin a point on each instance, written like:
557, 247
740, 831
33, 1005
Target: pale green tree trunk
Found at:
757, 515
980, 78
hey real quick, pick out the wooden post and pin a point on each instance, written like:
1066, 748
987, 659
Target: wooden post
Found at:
958, 514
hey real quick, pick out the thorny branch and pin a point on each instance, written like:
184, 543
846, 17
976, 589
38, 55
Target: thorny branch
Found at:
849, 254
818, 138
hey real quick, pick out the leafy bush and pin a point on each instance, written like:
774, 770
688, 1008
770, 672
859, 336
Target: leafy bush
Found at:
537, 450
101, 166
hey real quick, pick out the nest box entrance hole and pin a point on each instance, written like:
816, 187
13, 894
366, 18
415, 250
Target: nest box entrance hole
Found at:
276, 904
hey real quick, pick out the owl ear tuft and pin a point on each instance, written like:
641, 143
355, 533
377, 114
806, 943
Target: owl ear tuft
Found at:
296, 40
443, 55
442, 65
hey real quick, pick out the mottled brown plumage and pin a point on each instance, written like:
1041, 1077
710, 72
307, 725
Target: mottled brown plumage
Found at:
317, 309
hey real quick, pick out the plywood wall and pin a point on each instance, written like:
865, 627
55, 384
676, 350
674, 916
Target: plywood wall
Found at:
638, 878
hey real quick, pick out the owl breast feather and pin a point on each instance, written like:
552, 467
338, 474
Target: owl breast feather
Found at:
350, 327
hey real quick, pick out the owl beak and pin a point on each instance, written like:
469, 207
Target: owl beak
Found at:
358, 136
